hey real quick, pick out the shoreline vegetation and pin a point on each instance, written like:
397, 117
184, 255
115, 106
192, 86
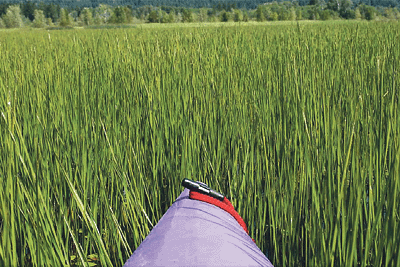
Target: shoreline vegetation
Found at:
51, 16
229, 24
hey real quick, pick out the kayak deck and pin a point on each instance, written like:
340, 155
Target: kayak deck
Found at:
195, 233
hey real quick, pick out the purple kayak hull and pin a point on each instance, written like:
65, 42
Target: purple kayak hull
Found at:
195, 233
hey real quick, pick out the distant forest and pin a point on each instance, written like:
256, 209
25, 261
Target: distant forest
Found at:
90, 13
239, 4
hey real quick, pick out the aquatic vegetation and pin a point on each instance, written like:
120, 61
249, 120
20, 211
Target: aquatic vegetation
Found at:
297, 124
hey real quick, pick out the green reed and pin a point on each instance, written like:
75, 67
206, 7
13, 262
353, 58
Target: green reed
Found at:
297, 124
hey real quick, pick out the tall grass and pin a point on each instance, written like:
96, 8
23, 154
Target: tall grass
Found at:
297, 124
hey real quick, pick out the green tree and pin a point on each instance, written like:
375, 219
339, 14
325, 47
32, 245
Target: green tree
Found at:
225, 16
86, 16
119, 15
153, 16
3, 9
237, 15
313, 12
74, 15
49, 22
202, 15
163, 16
273, 16
2, 24
326, 14
285, 10
391, 13
142, 12
357, 13
187, 15
260, 13
65, 18
299, 14
171, 17
128, 13
39, 20
345, 9
13, 18
28, 9
292, 13
51, 11
102, 14
367, 12
314, 2
350, 14
333, 5
245, 16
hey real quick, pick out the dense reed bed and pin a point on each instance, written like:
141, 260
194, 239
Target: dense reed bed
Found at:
297, 124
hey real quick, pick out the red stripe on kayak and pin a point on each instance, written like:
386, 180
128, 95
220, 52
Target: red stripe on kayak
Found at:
226, 205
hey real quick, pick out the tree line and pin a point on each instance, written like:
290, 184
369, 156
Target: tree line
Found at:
239, 4
42, 15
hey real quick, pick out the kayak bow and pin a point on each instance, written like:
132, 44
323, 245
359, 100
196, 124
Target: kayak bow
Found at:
197, 233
